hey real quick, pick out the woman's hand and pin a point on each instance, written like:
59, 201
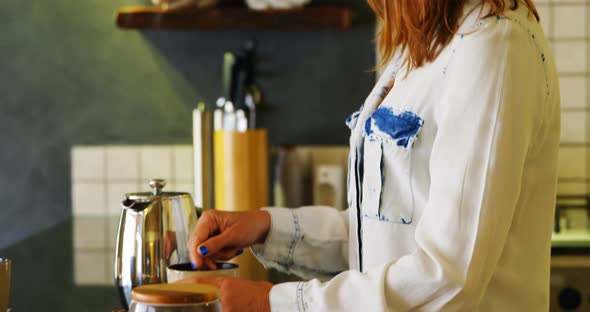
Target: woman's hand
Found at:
238, 295
221, 235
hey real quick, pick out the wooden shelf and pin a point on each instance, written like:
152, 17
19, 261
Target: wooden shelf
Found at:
234, 18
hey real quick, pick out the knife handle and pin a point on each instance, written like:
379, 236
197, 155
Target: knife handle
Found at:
229, 62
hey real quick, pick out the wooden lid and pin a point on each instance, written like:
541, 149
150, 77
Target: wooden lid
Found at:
174, 293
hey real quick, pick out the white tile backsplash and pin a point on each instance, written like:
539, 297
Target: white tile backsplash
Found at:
170, 186
185, 188
89, 233
570, 34
110, 269
544, 11
112, 231
573, 92
83, 276
570, 56
88, 163
183, 163
156, 162
88, 198
562, 2
122, 163
573, 162
94, 246
569, 21
102, 175
574, 127
572, 188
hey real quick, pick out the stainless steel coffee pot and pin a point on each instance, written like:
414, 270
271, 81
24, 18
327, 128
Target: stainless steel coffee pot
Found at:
154, 229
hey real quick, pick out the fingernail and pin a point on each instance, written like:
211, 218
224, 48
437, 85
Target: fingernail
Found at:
203, 250
239, 252
194, 266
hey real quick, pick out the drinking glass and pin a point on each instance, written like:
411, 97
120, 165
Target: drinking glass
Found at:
4, 284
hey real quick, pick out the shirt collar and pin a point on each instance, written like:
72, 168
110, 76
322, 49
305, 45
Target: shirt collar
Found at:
472, 15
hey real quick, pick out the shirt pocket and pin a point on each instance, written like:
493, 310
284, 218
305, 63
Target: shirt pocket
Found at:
389, 139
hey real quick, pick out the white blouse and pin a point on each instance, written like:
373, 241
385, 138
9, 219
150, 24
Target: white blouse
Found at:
452, 181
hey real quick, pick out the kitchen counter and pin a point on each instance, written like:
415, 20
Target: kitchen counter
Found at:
69, 267
50, 272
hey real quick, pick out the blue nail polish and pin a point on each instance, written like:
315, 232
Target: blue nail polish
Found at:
239, 252
194, 266
203, 250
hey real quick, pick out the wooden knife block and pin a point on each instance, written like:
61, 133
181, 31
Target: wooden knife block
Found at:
241, 182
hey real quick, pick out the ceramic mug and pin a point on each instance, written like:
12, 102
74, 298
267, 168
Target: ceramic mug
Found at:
181, 271
4, 283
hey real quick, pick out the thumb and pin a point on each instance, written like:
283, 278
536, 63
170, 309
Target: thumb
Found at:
216, 244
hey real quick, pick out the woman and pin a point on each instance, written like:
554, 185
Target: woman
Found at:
451, 181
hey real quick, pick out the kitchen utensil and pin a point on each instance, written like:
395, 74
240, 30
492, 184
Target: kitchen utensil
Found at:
229, 116
241, 121
218, 114
251, 105
177, 297
253, 94
230, 107
181, 271
239, 91
229, 61
241, 109
153, 232
250, 60
203, 158
4, 283
229, 64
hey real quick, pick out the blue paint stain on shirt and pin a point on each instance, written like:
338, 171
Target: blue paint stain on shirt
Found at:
351, 120
399, 127
368, 129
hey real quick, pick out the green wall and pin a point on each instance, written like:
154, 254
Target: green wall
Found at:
68, 76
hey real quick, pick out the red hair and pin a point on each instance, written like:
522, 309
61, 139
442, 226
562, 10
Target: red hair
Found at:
424, 27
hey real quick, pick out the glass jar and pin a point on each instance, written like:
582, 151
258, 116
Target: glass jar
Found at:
175, 298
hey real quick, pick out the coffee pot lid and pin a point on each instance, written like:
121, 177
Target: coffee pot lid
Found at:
157, 185
175, 293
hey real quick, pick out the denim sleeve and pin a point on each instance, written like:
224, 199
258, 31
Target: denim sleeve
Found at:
311, 242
